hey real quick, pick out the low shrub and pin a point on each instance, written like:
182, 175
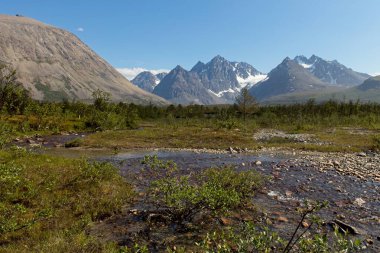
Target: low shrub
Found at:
47, 200
215, 191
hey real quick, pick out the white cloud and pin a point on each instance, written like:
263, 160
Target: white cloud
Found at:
80, 29
131, 73
376, 74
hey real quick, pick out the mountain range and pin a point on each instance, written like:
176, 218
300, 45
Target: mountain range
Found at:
331, 72
54, 64
215, 82
220, 80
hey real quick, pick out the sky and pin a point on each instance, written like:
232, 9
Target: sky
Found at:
159, 34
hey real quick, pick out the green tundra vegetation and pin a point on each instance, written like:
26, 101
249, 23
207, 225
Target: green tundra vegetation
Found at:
47, 203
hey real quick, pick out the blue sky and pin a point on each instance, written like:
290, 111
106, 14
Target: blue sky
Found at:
159, 34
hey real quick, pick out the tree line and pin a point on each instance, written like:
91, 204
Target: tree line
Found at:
102, 113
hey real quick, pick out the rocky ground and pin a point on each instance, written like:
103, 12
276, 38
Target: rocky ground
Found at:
266, 135
354, 199
350, 182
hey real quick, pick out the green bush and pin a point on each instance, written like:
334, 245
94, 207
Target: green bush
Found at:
249, 238
77, 142
214, 191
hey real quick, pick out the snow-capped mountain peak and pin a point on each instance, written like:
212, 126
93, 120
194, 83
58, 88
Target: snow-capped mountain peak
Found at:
331, 72
225, 79
147, 80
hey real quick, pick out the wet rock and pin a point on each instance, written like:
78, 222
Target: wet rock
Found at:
341, 216
30, 141
346, 227
156, 218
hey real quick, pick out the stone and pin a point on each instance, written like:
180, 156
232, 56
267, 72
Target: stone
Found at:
231, 150
156, 218
305, 224
336, 163
225, 221
258, 162
288, 194
282, 219
359, 202
346, 227
134, 211
30, 141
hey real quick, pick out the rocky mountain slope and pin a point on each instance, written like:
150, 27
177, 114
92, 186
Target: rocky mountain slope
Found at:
225, 79
147, 80
185, 87
331, 72
287, 77
370, 84
368, 91
218, 81
54, 64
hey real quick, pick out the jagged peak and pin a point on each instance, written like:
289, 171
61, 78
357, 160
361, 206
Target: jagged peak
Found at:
178, 68
197, 66
218, 58
286, 60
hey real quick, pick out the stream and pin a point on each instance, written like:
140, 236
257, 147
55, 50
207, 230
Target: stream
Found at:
351, 200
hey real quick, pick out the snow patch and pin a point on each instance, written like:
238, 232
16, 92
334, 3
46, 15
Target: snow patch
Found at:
250, 80
306, 66
221, 93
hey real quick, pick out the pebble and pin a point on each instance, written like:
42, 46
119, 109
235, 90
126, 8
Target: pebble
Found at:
359, 202
282, 219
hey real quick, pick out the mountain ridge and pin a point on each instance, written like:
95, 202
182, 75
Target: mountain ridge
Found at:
287, 77
331, 72
54, 64
147, 81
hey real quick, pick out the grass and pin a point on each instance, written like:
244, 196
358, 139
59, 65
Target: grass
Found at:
182, 134
207, 134
46, 203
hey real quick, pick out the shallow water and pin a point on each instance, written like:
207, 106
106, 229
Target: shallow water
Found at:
289, 187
